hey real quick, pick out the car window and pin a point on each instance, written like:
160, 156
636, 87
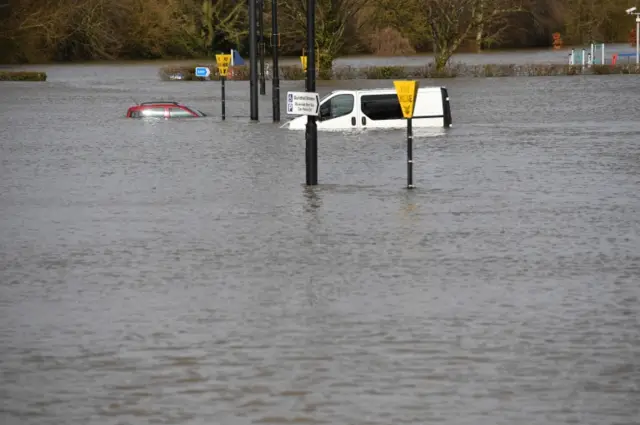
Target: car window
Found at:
153, 112
337, 106
179, 113
381, 107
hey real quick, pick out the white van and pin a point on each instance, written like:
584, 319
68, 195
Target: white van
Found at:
378, 108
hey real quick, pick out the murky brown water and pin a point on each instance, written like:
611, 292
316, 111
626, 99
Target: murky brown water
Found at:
179, 272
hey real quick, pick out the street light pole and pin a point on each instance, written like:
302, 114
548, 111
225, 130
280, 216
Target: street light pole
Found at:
637, 38
632, 11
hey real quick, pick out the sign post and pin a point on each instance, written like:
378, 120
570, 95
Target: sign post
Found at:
223, 62
307, 103
303, 62
407, 91
253, 61
312, 129
275, 80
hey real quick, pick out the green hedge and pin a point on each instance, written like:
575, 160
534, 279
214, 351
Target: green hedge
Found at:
418, 72
22, 76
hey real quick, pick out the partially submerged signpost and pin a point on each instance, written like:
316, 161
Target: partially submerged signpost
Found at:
306, 103
312, 129
275, 80
223, 62
407, 91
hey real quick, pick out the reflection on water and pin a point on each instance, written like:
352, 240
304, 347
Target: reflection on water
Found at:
180, 272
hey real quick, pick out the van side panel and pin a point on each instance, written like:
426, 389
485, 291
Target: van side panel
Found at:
429, 103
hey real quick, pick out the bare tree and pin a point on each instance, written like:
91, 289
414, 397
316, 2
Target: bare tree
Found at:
225, 18
452, 22
333, 18
494, 18
593, 20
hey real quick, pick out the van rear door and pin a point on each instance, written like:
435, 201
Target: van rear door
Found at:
339, 111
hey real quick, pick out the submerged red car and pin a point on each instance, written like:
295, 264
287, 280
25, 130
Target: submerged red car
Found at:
162, 109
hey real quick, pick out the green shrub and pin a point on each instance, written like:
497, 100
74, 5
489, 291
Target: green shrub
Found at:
385, 72
293, 72
22, 76
346, 73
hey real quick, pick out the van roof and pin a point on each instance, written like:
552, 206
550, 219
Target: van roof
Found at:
386, 89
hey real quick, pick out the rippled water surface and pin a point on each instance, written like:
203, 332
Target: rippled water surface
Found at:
180, 272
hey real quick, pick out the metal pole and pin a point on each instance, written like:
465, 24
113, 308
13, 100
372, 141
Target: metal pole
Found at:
409, 154
637, 39
312, 129
261, 45
223, 99
253, 62
275, 94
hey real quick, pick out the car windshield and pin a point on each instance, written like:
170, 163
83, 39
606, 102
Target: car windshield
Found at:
199, 112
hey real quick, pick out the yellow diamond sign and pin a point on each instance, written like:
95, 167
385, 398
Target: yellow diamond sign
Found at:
407, 92
223, 62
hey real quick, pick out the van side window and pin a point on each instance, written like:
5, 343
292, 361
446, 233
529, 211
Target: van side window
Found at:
337, 106
381, 107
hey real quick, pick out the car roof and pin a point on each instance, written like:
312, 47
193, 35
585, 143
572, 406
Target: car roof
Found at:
160, 102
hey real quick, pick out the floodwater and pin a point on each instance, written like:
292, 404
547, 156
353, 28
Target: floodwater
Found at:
179, 272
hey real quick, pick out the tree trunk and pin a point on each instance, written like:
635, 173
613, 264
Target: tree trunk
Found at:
479, 16
479, 38
325, 62
441, 59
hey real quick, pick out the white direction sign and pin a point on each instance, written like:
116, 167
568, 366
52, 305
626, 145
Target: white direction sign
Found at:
303, 103
202, 71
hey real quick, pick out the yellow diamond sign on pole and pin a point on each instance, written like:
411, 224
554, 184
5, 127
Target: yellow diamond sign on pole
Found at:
223, 62
407, 91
